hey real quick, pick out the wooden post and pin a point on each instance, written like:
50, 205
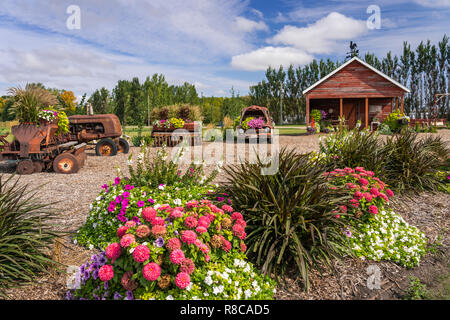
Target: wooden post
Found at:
367, 112
401, 108
307, 110
340, 107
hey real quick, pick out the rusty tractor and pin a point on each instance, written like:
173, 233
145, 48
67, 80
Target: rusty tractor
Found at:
103, 127
37, 148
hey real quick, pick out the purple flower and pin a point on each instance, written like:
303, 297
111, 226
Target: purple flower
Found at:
220, 198
176, 232
117, 180
69, 295
136, 219
125, 203
123, 211
159, 242
112, 207
117, 296
140, 203
118, 199
105, 285
86, 275
128, 187
151, 201
130, 295
82, 268
102, 260
126, 194
95, 274
256, 123
105, 186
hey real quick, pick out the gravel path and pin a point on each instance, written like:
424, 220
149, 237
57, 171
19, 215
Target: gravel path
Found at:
75, 192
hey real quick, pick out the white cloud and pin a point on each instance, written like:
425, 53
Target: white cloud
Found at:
246, 25
321, 36
260, 59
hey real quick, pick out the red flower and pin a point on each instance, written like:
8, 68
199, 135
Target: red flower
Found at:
373, 209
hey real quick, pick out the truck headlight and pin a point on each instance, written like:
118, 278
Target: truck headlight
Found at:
267, 130
241, 131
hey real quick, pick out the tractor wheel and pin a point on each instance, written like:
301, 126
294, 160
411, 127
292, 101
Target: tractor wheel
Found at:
123, 146
25, 167
106, 147
38, 166
81, 159
66, 163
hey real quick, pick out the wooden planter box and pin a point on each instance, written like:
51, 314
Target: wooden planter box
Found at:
187, 126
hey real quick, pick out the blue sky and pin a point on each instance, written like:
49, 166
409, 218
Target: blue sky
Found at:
214, 44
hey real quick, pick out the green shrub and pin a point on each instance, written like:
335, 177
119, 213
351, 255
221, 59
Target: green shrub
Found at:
26, 234
153, 170
354, 148
316, 115
412, 164
385, 129
289, 214
416, 290
394, 119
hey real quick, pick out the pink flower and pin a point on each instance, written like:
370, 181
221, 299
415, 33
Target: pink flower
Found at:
350, 185
130, 224
354, 203
141, 253
238, 230
243, 247
151, 271
368, 197
113, 251
182, 280
158, 230
187, 266
343, 209
241, 222
190, 222
158, 221
374, 191
177, 256
370, 173
176, 214
236, 216
384, 197
373, 209
149, 213
363, 181
227, 208
389, 193
358, 195
204, 222
201, 229
349, 170
122, 231
192, 204
173, 244
226, 245
127, 240
207, 258
337, 216
188, 236
359, 169
106, 272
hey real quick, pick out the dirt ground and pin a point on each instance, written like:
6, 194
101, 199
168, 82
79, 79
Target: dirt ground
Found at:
429, 212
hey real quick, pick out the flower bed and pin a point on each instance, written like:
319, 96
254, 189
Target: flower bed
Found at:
184, 252
375, 232
120, 202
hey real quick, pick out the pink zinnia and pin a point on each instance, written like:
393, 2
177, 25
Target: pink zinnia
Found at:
151, 271
227, 208
130, 224
158, 230
141, 253
173, 244
343, 209
106, 272
236, 216
358, 195
359, 169
113, 251
373, 209
351, 185
226, 245
190, 222
177, 256
189, 236
187, 266
368, 197
149, 213
374, 191
354, 203
182, 280
389, 193
204, 222
384, 197
207, 258
243, 247
238, 230
122, 231
127, 240
201, 229
241, 222
158, 221
176, 214
370, 173
363, 181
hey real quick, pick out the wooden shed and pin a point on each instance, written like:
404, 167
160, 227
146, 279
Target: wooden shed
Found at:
357, 91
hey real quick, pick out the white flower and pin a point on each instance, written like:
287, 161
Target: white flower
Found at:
169, 297
208, 280
177, 202
247, 293
91, 247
